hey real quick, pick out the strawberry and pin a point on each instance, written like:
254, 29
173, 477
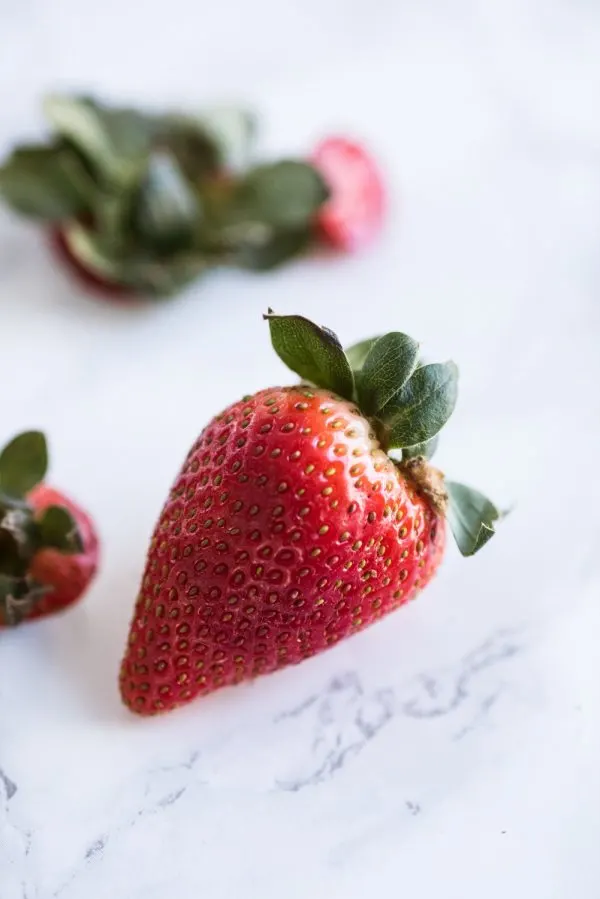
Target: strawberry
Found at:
301, 515
141, 203
48, 544
354, 213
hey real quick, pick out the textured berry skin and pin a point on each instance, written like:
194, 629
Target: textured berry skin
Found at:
287, 530
85, 277
354, 213
69, 575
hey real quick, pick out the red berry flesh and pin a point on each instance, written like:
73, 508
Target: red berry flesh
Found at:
287, 530
354, 213
68, 575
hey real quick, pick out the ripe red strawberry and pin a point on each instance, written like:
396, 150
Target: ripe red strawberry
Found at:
289, 526
67, 574
48, 544
354, 213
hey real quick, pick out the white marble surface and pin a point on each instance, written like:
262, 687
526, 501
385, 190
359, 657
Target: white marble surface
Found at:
451, 752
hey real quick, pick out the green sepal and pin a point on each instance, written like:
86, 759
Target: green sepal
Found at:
285, 195
18, 596
57, 529
422, 407
9, 586
272, 250
114, 141
11, 559
219, 138
233, 131
46, 183
389, 364
358, 352
111, 222
95, 252
23, 463
167, 211
12, 589
471, 517
313, 352
426, 449
187, 139
144, 274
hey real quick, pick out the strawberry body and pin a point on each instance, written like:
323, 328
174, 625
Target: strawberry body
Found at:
68, 575
287, 530
354, 213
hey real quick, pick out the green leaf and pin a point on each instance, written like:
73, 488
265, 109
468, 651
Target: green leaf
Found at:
23, 463
421, 409
112, 223
391, 361
271, 248
188, 140
358, 352
233, 131
144, 274
115, 141
170, 276
471, 516
314, 353
47, 183
12, 588
167, 210
92, 251
9, 586
58, 529
426, 449
18, 597
284, 194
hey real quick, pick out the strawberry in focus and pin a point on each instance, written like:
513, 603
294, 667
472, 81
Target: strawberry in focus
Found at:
301, 515
48, 544
353, 215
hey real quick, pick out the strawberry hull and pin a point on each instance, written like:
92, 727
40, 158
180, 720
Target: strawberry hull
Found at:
84, 276
287, 530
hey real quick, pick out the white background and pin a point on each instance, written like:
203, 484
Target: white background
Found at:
452, 751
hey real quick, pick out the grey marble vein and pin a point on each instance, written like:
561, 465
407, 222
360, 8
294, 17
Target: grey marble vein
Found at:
345, 717
153, 797
10, 788
439, 693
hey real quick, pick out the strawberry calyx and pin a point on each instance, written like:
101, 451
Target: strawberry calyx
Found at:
24, 532
407, 402
90, 279
430, 481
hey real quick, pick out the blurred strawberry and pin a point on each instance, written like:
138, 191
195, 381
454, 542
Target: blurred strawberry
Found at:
48, 544
354, 213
